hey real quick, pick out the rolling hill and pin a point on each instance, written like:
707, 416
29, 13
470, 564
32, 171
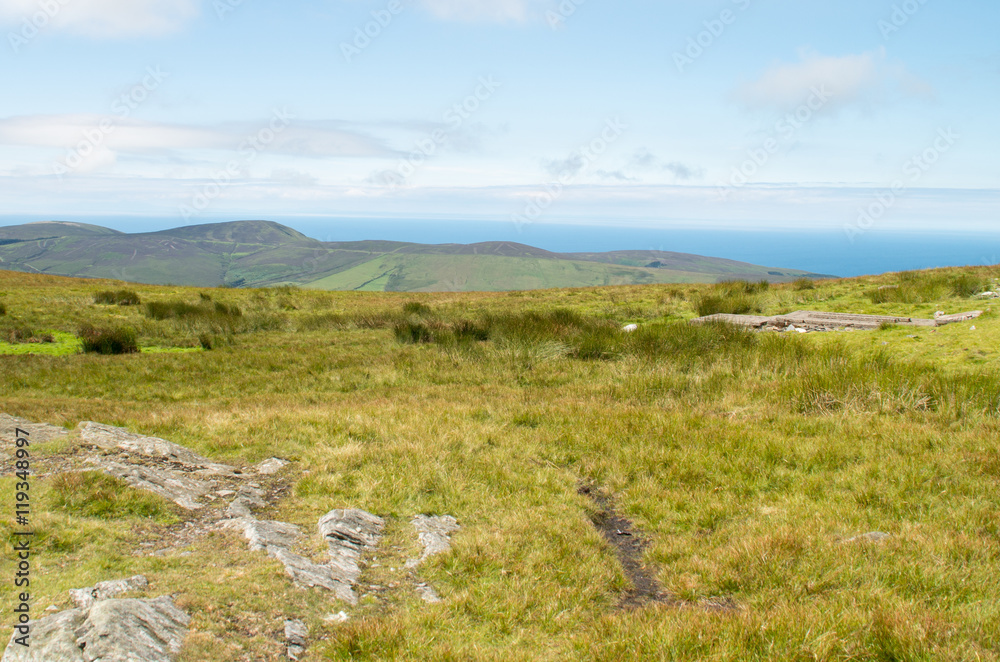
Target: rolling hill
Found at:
262, 253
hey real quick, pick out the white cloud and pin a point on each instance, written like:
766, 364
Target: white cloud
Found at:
99, 140
103, 18
866, 78
482, 10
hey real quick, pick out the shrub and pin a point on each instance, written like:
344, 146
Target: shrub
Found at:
109, 340
117, 298
3, 309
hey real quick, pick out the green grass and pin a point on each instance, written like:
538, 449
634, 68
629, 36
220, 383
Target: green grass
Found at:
746, 460
96, 495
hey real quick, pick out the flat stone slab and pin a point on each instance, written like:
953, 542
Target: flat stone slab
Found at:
177, 486
111, 438
435, 535
844, 320
129, 630
37, 431
86, 597
349, 533
957, 317
811, 319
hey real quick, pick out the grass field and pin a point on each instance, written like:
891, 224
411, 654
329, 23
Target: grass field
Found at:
745, 462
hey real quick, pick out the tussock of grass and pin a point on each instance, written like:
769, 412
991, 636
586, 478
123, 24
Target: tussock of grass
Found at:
162, 310
804, 284
117, 298
21, 334
738, 297
109, 340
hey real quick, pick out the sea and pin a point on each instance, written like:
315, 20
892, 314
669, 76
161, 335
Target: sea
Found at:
830, 252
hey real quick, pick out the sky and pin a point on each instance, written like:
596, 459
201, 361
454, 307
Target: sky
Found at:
846, 115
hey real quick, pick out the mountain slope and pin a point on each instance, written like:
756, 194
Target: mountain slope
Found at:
261, 253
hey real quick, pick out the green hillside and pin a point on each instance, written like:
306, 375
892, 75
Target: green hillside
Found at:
262, 253
490, 273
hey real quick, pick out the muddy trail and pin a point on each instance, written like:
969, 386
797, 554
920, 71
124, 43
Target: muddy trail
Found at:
629, 545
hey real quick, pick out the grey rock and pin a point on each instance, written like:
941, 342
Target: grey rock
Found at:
129, 630
176, 486
112, 438
264, 534
247, 500
271, 466
435, 535
306, 574
37, 432
296, 634
85, 597
349, 533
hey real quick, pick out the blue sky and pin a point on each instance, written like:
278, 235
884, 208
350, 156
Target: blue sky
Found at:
699, 113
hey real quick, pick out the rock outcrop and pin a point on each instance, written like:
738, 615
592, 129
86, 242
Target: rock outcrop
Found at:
86, 597
36, 431
435, 535
175, 486
296, 634
130, 630
350, 533
111, 438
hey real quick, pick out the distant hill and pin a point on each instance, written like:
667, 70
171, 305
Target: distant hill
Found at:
261, 253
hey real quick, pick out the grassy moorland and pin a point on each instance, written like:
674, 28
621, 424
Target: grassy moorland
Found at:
747, 461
